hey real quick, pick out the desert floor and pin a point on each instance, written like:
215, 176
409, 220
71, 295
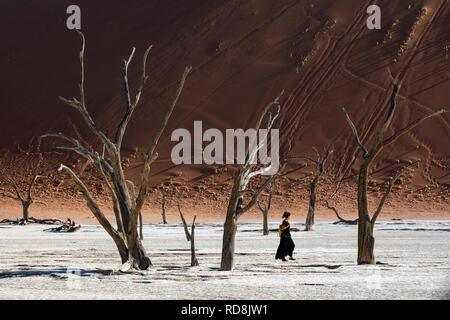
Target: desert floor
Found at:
415, 256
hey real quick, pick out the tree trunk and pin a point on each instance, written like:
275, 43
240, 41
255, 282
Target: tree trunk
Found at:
229, 235
312, 205
163, 205
135, 250
144, 261
366, 241
136, 253
186, 231
25, 214
194, 261
141, 227
265, 223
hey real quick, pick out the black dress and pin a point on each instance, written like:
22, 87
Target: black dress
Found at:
286, 247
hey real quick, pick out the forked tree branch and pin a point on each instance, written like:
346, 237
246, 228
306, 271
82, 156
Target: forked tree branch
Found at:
26, 198
81, 105
355, 132
6, 195
158, 134
250, 156
7, 180
266, 207
131, 105
257, 193
77, 147
382, 131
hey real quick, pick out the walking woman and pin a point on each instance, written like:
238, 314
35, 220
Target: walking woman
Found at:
286, 247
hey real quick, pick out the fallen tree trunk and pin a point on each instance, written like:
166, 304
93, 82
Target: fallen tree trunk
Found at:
31, 220
68, 226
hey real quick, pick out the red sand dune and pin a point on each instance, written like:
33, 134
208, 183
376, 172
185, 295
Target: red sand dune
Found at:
243, 53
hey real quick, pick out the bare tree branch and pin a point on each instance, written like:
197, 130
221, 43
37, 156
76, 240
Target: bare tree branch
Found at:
386, 194
84, 192
81, 105
151, 156
257, 193
114, 198
130, 105
355, 132
410, 126
5, 179
78, 148
387, 122
186, 231
9, 196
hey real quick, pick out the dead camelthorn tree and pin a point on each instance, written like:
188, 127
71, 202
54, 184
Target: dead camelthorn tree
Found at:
186, 231
265, 208
320, 163
126, 207
366, 240
190, 237
241, 178
163, 207
25, 198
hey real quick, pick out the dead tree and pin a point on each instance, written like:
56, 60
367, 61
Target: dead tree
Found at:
366, 241
266, 208
126, 208
190, 237
341, 220
163, 207
320, 163
194, 261
33, 220
186, 231
241, 178
25, 198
